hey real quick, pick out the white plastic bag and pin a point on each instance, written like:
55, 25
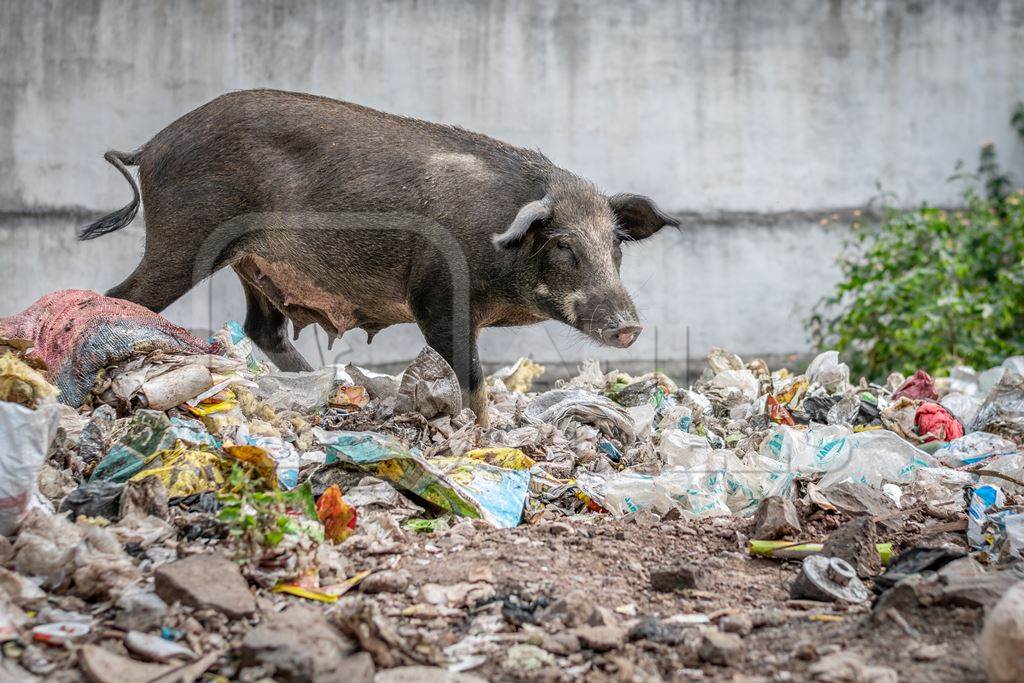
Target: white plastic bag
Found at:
26, 435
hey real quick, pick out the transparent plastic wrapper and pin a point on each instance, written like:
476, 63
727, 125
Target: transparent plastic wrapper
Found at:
237, 345
705, 484
963, 380
624, 492
828, 371
305, 392
465, 486
963, 407
871, 457
845, 411
975, 447
1002, 412
1010, 464
26, 435
680, 448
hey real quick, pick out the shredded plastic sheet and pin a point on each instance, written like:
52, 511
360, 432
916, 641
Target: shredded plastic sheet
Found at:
462, 485
563, 407
78, 333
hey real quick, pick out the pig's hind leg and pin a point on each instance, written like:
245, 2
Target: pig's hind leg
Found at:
155, 284
268, 328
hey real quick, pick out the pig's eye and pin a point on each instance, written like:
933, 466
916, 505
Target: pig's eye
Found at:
565, 248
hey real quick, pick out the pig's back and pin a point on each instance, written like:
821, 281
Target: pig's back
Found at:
268, 150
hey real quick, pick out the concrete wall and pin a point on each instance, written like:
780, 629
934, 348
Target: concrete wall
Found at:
754, 119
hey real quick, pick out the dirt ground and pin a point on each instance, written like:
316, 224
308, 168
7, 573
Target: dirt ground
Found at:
608, 562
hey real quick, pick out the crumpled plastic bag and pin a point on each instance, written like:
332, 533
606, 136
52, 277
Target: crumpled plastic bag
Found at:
709, 484
304, 392
828, 371
1002, 639
102, 568
45, 547
1002, 413
562, 407
721, 360
738, 383
678, 447
871, 457
429, 387
963, 406
26, 435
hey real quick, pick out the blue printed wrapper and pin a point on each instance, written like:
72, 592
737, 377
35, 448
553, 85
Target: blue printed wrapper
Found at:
463, 486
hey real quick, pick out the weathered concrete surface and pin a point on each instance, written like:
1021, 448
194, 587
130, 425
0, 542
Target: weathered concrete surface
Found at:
773, 113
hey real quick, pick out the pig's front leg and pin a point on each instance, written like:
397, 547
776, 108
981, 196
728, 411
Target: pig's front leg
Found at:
457, 344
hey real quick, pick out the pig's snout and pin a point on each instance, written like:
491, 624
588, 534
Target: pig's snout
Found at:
621, 336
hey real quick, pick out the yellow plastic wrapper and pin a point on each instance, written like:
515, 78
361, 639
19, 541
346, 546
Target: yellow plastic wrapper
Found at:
260, 461
184, 471
227, 403
21, 383
509, 458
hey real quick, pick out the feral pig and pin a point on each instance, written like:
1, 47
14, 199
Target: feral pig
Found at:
336, 214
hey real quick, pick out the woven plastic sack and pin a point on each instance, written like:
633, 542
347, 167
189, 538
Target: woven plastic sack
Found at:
78, 333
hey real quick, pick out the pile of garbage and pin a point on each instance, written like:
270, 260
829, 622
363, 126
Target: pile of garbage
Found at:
139, 462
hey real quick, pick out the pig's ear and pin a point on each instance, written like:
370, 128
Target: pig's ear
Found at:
530, 214
638, 216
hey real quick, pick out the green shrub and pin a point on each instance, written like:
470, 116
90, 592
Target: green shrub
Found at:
932, 288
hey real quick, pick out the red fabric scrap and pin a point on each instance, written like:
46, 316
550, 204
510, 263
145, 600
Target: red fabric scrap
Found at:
936, 423
917, 386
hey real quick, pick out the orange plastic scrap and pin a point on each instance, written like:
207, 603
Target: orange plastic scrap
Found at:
778, 413
337, 516
352, 398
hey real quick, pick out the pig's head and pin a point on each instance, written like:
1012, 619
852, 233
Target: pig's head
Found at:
570, 251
